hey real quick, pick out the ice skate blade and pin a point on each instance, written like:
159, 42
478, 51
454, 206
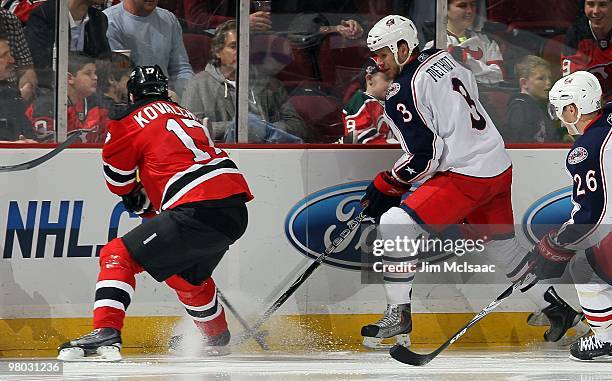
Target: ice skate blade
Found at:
203, 352
376, 343
607, 358
580, 330
109, 353
71, 354
217, 351
538, 319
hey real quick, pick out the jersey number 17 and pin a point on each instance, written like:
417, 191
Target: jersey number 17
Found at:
180, 128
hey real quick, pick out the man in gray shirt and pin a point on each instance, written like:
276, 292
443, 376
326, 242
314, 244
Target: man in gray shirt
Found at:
153, 36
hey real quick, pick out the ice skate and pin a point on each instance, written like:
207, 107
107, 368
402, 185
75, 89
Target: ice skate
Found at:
397, 322
561, 317
103, 344
590, 348
213, 346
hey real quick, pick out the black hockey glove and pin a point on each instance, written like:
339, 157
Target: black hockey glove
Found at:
137, 201
383, 193
547, 260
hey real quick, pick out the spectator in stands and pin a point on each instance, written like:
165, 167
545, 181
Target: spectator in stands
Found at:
527, 116
589, 44
202, 15
331, 16
88, 27
21, 8
11, 28
470, 47
83, 110
363, 115
14, 127
212, 94
153, 36
113, 73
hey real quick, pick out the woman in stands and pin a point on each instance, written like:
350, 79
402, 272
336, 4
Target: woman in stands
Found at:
470, 47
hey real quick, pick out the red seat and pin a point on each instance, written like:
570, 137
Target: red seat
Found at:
322, 115
198, 50
350, 90
340, 60
299, 69
544, 12
495, 102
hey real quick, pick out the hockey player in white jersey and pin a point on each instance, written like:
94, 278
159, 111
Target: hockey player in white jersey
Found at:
585, 240
451, 145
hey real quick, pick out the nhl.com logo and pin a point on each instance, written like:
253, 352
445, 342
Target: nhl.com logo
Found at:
312, 224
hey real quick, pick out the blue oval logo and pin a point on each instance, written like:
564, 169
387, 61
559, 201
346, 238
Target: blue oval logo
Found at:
547, 213
316, 220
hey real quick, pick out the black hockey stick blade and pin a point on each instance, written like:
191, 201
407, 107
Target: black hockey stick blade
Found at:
39, 160
406, 356
352, 225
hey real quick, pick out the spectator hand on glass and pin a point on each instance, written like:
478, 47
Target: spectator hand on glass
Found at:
350, 29
260, 21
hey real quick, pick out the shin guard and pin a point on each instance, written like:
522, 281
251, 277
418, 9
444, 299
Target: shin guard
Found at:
202, 304
115, 286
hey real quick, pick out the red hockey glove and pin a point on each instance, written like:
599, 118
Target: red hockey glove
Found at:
547, 260
138, 202
383, 193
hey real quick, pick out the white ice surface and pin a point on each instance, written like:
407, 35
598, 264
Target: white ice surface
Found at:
472, 365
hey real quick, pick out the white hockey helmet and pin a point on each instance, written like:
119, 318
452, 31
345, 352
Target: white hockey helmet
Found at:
389, 31
580, 88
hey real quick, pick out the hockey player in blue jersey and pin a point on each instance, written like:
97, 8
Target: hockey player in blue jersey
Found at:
585, 240
453, 148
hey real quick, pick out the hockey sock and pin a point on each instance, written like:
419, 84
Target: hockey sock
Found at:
201, 303
115, 286
596, 303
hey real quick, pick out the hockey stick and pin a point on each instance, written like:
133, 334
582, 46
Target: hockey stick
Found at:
405, 355
352, 225
259, 336
38, 161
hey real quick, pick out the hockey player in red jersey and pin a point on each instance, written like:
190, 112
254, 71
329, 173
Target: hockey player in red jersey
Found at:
450, 145
585, 240
197, 195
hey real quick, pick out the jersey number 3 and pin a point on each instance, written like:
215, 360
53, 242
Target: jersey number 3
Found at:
478, 121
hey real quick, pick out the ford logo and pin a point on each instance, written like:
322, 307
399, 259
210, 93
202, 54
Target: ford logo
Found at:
549, 212
315, 221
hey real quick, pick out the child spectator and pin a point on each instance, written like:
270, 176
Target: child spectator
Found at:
589, 44
470, 47
83, 111
113, 74
14, 127
363, 115
527, 116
